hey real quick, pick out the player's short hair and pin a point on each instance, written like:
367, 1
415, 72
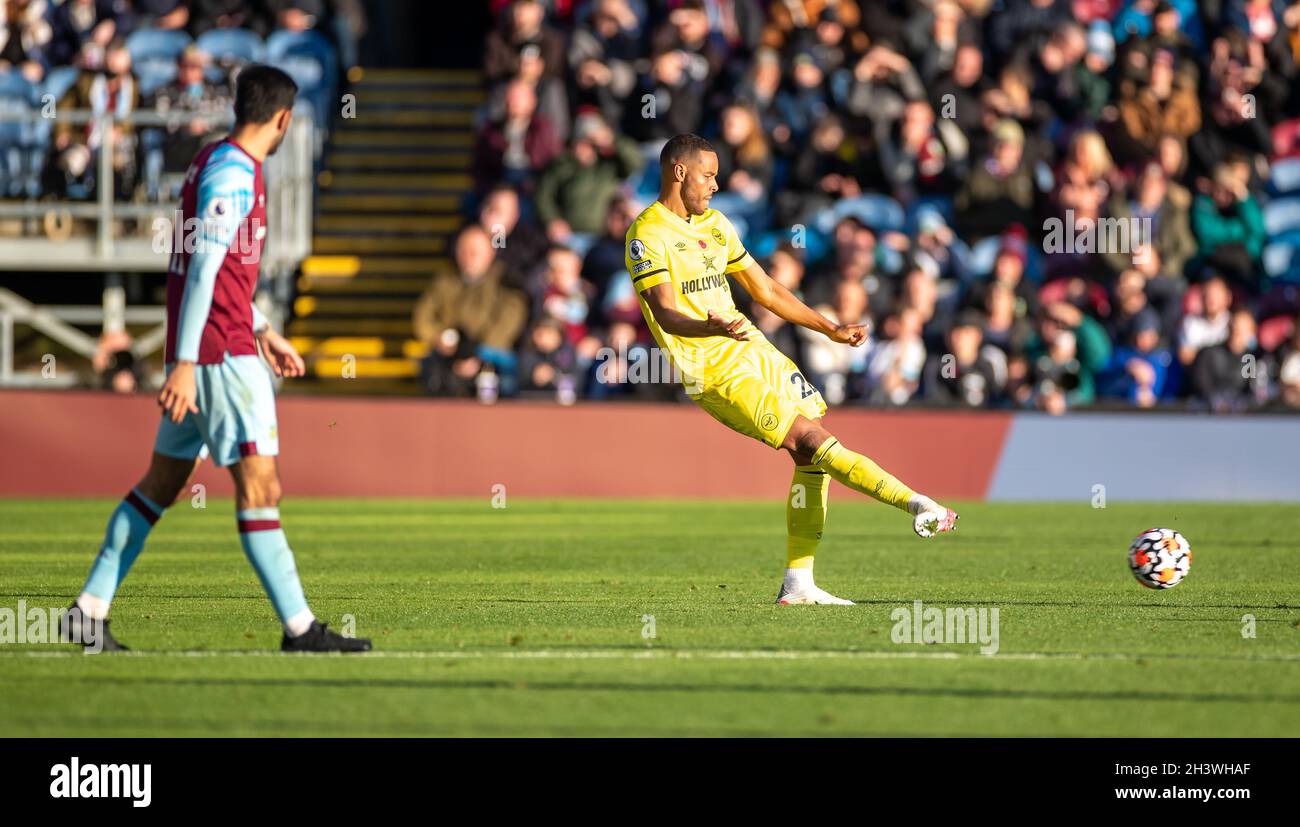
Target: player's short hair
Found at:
681, 147
262, 92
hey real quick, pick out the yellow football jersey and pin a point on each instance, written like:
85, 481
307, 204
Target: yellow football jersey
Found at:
694, 256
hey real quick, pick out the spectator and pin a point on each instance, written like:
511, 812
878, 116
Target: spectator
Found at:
666, 102
575, 191
523, 34
1208, 326
963, 376
830, 368
77, 22
467, 316
895, 364
602, 57
915, 159
1000, 190
1218, 375
1288, 376
1164, 103
25, 38
1229, 226
517, 145
191, 94
564, 296
1139, 370
519, 241
76, 146
206, 15
547, 358
745, 167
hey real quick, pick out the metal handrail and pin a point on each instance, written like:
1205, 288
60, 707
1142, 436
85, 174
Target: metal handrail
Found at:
289, 182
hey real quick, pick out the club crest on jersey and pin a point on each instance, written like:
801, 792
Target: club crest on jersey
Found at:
635, 249
719, 237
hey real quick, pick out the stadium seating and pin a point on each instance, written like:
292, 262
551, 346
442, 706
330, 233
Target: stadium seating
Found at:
310, 60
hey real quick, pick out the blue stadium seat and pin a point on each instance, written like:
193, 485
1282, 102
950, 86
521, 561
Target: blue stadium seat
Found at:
154, 74
1281, 216
309, 59
879, 212
155, 44
59, 80
233, 45
1281, 257
1285, 177
154, 53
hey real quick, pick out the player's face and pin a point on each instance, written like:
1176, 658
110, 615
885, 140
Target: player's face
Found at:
700, 182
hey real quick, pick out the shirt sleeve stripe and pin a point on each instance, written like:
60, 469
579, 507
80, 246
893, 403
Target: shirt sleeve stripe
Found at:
743, 253
651, 273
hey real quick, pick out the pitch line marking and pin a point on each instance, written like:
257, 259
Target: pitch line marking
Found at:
664, 654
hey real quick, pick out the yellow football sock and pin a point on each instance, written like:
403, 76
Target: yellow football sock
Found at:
805, 515
861, 474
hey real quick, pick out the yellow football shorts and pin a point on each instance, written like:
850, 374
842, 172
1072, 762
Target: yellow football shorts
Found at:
759, 392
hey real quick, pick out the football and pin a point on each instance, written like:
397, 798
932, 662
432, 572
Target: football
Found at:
1160, 558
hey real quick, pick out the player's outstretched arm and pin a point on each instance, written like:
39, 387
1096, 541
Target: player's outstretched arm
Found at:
676, 323
773, 295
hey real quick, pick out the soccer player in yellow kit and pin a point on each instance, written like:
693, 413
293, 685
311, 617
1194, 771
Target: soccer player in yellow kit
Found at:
679, 253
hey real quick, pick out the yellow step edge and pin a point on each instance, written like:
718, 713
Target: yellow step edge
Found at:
414, 161
387, 75
359, 368
354, 137
367, 307
359, 346
415, 117
378, 244
377, 180
409, 287
340, 202
344, 266
472, 97
389, 223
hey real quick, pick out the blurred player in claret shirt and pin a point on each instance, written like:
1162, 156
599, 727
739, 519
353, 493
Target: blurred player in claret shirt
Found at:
218, 399
679, 254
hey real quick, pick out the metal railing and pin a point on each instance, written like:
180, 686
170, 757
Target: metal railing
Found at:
289, 176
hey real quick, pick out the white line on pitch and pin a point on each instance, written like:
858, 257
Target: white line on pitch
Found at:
666, 654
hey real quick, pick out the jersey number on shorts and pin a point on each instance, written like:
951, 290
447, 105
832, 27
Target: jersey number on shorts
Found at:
805, 390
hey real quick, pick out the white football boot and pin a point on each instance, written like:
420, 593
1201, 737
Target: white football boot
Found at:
934, 521
809, 596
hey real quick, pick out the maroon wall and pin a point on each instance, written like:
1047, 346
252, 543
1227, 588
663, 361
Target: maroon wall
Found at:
84, 443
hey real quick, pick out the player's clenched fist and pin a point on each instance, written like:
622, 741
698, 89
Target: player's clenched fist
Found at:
722, 327
178, 393
850, 334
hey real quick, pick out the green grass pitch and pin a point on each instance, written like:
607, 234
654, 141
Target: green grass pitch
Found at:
530, 621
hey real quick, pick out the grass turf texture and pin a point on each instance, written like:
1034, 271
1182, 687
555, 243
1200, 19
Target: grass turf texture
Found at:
528, 621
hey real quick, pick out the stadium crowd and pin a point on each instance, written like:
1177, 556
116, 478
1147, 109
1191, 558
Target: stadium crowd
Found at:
119, 56
960, 173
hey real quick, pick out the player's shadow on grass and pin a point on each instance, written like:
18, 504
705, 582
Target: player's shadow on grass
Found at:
574, 686
1070, 604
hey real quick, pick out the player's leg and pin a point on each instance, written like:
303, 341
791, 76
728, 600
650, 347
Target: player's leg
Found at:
257, 506
805, 520
128, 528
808, 440
244, 436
